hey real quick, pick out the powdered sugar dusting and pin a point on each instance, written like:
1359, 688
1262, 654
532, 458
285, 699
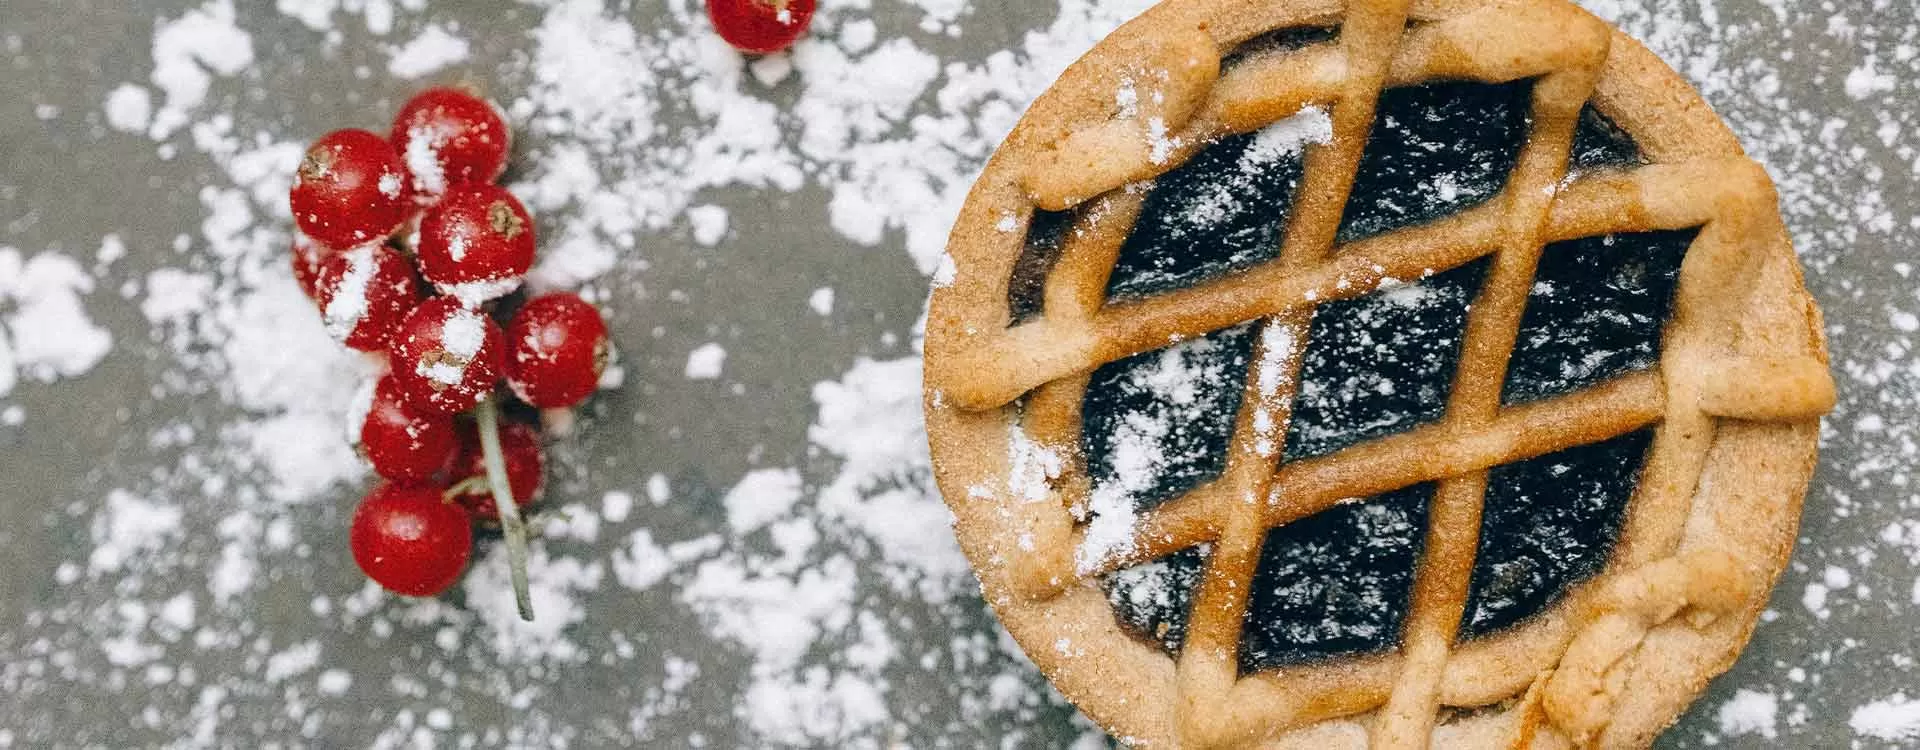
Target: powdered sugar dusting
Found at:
348, 305
1894, 719
46, 333
1140, 449
423, 162
435, 48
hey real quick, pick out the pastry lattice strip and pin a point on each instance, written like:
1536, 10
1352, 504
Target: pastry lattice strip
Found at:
1050, 359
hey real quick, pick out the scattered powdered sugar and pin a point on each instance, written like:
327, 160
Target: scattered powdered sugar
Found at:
1750, 712
464, 333
1286, 138
761, 497
423, 162
477, 293
348, 305
709, 224
132, 526
1894, 719
706, 361
129, 108
45, 331
1278, 346
1140, 449
434, 49
821, 301
187, 53
174, 295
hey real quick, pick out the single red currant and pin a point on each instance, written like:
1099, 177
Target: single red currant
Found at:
760, 26
446, 357
364, 293
526, 468
404, 445
556, 350
351, 189
410, 540
307, 258
477, 244
449, 137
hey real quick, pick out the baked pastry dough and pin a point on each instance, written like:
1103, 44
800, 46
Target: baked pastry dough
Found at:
1375, 374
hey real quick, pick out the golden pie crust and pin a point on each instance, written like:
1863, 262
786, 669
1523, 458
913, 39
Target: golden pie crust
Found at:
1734, 401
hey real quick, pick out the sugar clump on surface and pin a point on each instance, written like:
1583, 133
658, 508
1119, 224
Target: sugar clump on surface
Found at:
434, 49
706, 361
1893, 719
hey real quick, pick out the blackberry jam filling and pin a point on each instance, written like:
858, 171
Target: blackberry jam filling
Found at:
1152, 600
1597, 309
1435, 150
1222, 211
1027, 289
1337, 583
1382, 363
1600, 144
1548, 524
1157, 424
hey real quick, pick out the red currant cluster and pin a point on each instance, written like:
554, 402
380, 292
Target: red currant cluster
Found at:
411, 252
760, 26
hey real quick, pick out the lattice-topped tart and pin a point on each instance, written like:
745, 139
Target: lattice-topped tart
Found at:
1323, 374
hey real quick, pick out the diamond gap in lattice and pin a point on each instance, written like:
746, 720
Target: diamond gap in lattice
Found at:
1382, 363
1435, 150
1157, 424
1336, 583
1598, 143
1547, 524
1222, 211
1152, 600
1027, 288
1598, 308
1279, 41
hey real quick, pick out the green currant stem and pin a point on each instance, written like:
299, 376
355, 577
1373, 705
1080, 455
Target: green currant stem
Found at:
464, 486
488, 415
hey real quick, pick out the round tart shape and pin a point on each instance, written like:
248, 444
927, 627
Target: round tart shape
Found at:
1375, 374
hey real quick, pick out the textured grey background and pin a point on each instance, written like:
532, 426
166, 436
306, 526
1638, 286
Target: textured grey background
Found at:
64, 181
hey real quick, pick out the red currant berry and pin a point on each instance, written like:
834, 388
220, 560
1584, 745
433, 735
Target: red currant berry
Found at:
410, 540
450, 137
402, 444
446, 357
556, 350
307, 258
364, 293
526, 468
351, 189
476, 244
760, 26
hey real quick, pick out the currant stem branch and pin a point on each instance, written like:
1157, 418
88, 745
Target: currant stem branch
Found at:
488, 415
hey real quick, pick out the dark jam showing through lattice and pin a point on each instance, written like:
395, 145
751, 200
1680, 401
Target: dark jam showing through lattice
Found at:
1338, 583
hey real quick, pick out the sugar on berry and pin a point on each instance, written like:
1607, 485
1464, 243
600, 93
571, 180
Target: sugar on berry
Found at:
760, 26
476, 244
364, 293
557, 349
307, 257
446, 357
350, 189
403, 444
449, 137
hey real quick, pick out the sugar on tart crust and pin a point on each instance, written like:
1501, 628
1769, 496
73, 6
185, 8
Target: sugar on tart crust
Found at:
1381, 373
